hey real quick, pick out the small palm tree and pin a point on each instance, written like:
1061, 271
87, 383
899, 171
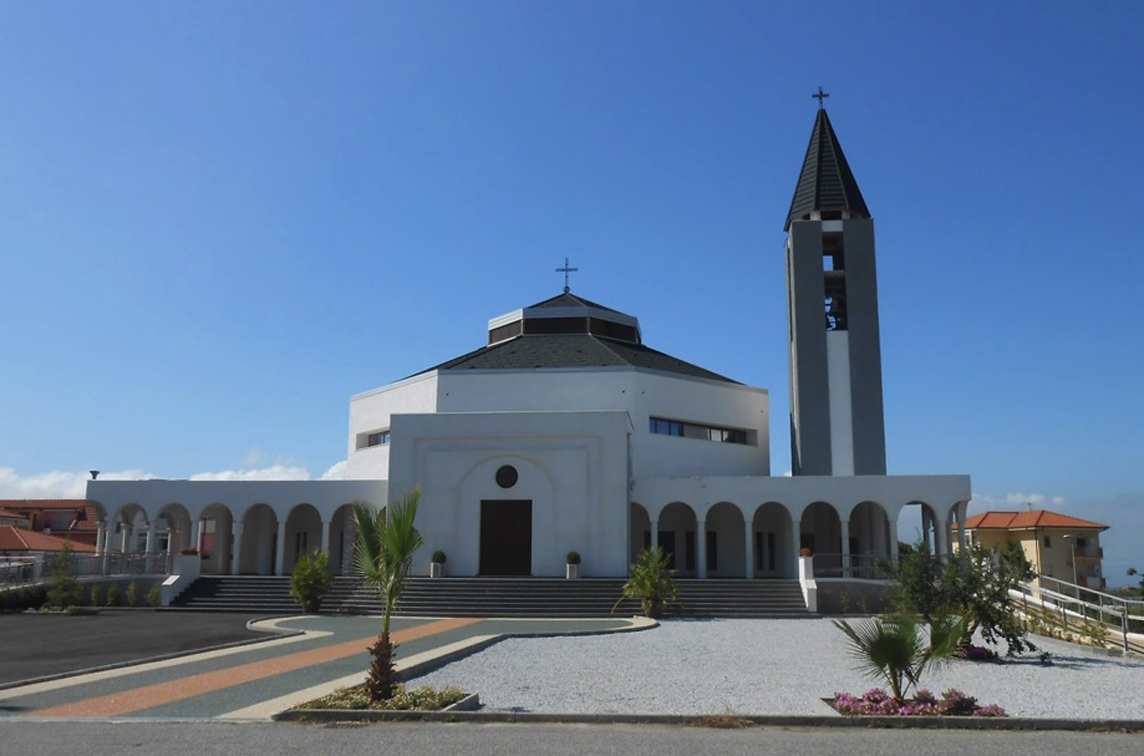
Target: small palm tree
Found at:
650, 582
385, 543
894, 650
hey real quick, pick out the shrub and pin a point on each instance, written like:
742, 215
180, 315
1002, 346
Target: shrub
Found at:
96, 596
65, 591
423, 698
893, 650
438, 557
114, 596
154, 596
131, 598
573, 557
651, 582
311, 580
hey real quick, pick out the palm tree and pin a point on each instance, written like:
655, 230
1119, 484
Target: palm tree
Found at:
384, 546
894, 650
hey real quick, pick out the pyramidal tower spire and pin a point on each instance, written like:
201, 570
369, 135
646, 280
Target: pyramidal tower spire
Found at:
837, 425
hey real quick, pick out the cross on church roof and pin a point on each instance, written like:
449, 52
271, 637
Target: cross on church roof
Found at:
566, 270
820, 97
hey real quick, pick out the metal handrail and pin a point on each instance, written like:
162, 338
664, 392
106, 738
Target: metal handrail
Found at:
1105, 604
863, 566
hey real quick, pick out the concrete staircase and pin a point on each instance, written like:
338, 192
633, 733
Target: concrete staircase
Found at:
499, 597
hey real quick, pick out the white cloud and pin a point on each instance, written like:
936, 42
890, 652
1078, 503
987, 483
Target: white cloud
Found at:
1016, 501
273, 472
56, 484
337, 471
253, 457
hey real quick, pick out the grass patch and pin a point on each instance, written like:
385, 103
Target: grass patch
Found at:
404, 699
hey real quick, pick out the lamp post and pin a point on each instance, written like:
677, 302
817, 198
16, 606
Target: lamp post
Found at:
1070, 540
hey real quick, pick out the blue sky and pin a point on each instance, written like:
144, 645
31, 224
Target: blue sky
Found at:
219, 221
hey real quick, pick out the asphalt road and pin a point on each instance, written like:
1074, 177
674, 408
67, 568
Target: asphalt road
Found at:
210, 739
37, 645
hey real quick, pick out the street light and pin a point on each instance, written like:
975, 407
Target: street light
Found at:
1072, 554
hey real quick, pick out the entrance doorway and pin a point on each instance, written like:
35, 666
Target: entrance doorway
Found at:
506, 537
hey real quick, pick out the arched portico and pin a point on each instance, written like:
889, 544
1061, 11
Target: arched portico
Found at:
725, 542
341, 540
258, 542
820, 530
867, 544
214, 539
675, 533
174, 532
773, 549
303, 534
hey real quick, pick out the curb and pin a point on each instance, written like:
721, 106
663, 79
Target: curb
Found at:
318, 716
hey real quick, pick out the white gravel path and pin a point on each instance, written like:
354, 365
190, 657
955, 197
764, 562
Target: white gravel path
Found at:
766, 667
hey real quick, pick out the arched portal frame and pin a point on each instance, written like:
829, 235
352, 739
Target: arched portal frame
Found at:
257, 541
174, 530
127, 524
774, 548
303, 534
725, 549
868, 544
675, 532
342, 535
820, 530
214, 532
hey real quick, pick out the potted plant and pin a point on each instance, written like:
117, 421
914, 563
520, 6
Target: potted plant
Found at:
311, 580
572, 565
437, 564
805, 552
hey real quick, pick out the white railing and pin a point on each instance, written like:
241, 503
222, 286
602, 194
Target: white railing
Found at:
15, 570
1122, 618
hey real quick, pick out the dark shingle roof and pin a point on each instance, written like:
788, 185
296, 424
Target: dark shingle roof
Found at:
568, 299
572, 351
826, 182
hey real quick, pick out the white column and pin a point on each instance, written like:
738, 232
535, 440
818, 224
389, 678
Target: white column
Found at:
701, 548
200, 530
654, 526
124, 538
962, 535
280, 555
151, 546
940, 546
894, 543
795, 544
927, 523
844, 527
749, 549
326, 537
236, 555
100, 539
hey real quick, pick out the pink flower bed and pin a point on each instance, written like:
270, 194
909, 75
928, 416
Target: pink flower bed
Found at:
877, 703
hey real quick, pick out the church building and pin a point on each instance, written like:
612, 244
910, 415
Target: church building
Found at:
564, 432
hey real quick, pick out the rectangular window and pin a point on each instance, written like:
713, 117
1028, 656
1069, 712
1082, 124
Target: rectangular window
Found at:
689, 550
665, 427
1048, 542
712, 551
381, 438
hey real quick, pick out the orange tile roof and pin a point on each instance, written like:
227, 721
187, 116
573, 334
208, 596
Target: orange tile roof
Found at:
1037, 518
44, 503
9, 514
13, 538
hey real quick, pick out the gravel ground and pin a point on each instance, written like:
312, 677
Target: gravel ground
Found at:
766, 667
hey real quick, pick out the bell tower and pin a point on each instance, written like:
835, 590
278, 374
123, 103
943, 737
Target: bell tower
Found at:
832, 304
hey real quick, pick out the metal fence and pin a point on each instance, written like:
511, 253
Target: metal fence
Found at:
863, 566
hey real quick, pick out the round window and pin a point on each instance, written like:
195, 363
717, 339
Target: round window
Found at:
506, 476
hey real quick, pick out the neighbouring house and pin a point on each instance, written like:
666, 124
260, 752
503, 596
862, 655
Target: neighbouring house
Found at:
1053, 542
16, 541
74, 519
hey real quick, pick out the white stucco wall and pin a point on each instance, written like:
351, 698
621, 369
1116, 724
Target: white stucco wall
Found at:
573, 466
371, 412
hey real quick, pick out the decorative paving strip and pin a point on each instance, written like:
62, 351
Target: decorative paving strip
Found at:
138, 699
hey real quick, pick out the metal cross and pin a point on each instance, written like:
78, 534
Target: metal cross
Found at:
566, 270
820, 97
